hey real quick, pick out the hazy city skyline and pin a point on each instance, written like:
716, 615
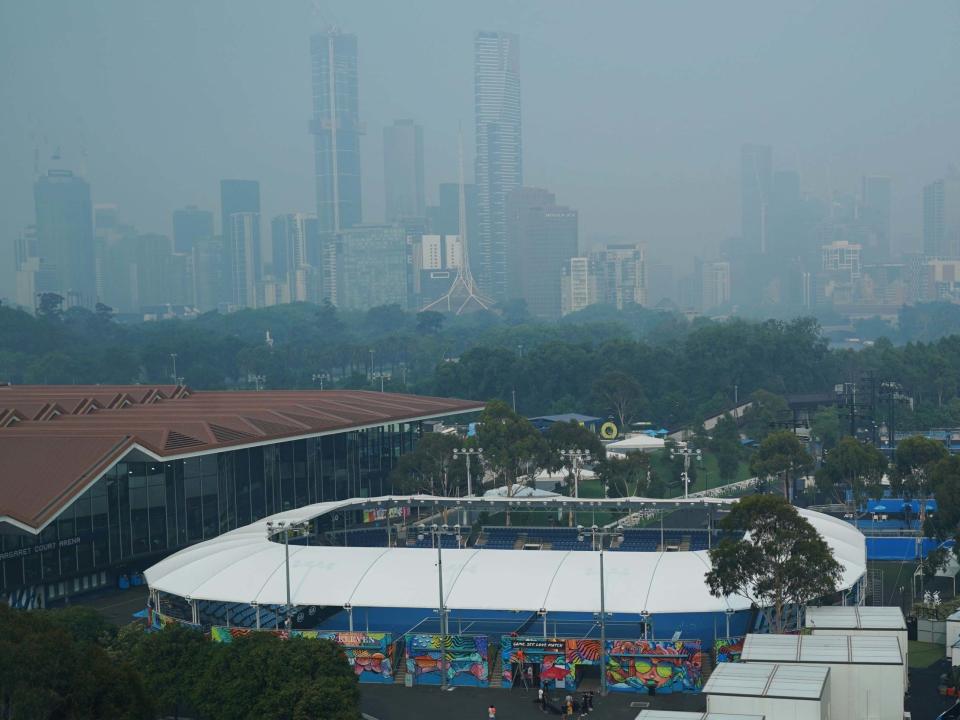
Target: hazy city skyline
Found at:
639, 128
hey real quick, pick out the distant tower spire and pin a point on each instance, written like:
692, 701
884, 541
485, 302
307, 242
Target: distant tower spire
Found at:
463, 295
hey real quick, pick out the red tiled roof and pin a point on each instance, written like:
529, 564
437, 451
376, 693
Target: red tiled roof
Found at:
54, 440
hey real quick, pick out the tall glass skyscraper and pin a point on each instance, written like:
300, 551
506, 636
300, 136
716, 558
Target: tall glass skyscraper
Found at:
336, 129
499, 168
65, 237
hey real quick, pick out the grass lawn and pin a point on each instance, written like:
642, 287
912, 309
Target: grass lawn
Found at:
707, 473
924, 654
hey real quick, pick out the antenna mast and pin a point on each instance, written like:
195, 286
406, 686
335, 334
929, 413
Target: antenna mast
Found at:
463, 294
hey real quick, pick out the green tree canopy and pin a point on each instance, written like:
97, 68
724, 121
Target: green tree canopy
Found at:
780, 559
854, 465
766, 411
431, 467
617, 393
914, 458
725, 444
512, 446
781, 455
626, 477
46, 673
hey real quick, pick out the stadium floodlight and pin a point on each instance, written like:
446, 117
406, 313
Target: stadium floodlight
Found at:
728, 613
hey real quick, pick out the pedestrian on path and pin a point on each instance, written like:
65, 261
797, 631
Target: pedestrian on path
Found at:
492, 712
542, 698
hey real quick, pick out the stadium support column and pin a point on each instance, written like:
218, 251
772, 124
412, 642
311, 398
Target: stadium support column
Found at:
603, 629
443, 624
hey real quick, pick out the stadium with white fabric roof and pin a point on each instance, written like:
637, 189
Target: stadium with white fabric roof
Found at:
377, 565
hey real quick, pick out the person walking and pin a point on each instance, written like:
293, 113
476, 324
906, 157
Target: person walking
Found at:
590, 701
492, 712
542, 699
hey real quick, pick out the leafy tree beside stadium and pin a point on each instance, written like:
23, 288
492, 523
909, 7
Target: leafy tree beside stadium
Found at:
781, 455
914, 460
855, 465
512, 446
779, 560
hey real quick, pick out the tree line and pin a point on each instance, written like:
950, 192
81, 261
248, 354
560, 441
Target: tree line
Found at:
72, 663
631, 365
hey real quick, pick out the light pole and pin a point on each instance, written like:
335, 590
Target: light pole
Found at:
319, 376
436, 533
687, 453
468, 453
282, 526
601, 534
371, 363
173, 356
576, 457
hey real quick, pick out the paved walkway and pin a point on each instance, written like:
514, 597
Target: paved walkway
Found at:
393, 702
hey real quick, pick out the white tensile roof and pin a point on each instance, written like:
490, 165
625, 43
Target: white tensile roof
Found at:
243, 566
640, 441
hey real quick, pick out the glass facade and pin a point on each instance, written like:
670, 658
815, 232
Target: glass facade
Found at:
141, 510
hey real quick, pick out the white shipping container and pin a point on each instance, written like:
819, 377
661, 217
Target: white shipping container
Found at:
866, 672
854, 620
776, 692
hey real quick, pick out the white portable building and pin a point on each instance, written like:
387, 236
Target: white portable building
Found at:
852, 620
681, 715
776, 692
866, 672
953, 631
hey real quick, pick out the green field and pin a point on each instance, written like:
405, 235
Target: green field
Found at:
924, 654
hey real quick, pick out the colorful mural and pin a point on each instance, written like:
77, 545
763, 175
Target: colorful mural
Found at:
156, 620
368, 653
465, 658
549, 654
580, 652
663, 665
728, 649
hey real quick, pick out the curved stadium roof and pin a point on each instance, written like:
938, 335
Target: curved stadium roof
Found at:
243, 566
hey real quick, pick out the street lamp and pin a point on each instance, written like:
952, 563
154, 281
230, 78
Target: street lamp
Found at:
319, 376
436, 533
468, 453
282, 526
687, 453
600, 534
576, 457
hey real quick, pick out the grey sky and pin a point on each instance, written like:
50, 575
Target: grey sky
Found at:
633, 112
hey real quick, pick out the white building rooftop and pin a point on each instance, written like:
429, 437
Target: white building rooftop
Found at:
835, 617
831, 649
793, 682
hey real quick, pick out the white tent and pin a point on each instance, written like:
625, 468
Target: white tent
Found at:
244, 566
637, 443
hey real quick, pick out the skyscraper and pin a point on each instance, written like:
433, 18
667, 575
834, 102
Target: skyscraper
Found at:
541, 237
191, 224
941, 218
336, 129
65, 237
403, 170
498, 167
243, 258
371, 267
875, 216
236, 197
756, 165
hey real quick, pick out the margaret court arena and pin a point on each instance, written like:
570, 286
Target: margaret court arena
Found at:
486, 592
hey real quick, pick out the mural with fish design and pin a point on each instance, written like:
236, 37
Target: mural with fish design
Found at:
663, 665
465, 659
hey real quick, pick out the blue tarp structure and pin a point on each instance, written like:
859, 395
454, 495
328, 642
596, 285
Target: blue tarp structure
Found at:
899, 548
896, 505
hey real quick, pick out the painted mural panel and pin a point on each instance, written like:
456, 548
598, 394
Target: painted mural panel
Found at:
465, 656
660, 665
548, 654
728, 649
